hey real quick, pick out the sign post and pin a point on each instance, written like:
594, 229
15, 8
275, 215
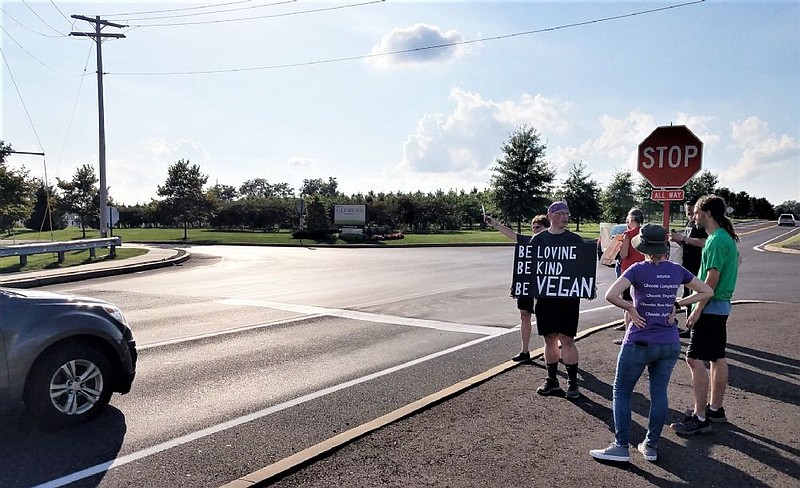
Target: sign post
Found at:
667, 159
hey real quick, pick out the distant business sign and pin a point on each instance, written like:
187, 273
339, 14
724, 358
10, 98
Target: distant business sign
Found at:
555, 271
667, 195
350, 214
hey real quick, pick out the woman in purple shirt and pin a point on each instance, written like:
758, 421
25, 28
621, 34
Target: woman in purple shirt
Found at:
651, 341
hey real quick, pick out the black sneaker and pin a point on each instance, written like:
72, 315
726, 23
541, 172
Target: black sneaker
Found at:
523, 356
685, 334
550, 388
691, 425
573, 391
617, 342
716, 416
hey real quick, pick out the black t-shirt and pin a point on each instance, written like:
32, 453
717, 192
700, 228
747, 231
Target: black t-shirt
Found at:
692, 254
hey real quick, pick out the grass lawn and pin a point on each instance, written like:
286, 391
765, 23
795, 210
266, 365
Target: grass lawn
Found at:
72, 258
589, 231
284, 237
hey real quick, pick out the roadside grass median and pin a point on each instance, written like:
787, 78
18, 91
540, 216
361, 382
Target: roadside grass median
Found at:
38, 262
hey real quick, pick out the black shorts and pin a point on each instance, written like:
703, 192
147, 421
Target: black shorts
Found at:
708, 338
557, 315
525, 303
626, 295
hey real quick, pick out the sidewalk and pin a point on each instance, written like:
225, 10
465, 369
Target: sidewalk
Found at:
156, 257
501, 433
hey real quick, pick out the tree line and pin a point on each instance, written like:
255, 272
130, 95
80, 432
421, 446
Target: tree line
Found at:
522, 184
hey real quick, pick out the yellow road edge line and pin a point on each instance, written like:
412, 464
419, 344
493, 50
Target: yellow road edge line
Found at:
287, 465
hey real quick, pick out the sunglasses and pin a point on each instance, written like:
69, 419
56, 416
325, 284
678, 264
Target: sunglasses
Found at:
537, 227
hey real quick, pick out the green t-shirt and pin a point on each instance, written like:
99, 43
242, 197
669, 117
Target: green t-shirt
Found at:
720, 253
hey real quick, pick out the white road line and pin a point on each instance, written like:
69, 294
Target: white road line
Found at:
135, 456
760, 247
490, 332
370, 317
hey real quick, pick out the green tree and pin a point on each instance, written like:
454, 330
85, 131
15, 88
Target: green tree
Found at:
223, 193
618, 197
582, 194
81, 196
16, 192
523, 178
704, 183
46, 215
789, 206
318, 221
648, 206
763, 209
184, 199
261, 188
318, 186
741, 206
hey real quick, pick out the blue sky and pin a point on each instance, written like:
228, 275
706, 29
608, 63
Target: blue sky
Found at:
425, 120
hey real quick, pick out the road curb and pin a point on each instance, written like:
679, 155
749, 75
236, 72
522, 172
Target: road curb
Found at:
785, 250
181, 256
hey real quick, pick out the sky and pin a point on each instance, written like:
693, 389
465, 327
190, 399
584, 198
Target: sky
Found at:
356, 90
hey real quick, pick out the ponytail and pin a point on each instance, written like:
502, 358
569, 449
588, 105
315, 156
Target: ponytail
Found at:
716, 207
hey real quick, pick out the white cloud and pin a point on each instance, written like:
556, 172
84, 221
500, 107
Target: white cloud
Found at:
415, 39
300, 162
616, 147
761, 153
470, 139
616, 144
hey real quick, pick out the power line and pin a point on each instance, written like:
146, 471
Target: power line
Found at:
183, 9
26, 27
62, 13
417, 49
240, 19
40, 18
19, 94
195, 14
35, 58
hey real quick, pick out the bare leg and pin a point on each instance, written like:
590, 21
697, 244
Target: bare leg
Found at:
719, 381
569, 353
525, 329
551, 351
699, 385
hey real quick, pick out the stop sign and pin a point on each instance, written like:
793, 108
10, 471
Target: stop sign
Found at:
670, 156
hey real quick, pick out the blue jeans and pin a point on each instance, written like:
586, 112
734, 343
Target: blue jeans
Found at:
660, 360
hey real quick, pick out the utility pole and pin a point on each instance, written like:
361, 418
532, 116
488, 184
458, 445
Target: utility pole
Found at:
98, 36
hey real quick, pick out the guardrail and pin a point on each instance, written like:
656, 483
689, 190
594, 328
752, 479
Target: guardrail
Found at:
25, 250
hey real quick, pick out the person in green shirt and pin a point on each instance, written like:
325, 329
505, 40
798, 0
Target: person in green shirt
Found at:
719, 266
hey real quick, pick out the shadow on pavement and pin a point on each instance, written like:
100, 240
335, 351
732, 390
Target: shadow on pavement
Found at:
26, 449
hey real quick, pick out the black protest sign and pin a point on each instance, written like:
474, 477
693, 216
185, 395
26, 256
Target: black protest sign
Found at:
554, 270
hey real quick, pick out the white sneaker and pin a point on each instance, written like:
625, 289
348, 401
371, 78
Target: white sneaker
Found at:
648, 452
612, 453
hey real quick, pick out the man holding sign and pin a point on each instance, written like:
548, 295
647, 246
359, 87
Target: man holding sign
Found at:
558, 268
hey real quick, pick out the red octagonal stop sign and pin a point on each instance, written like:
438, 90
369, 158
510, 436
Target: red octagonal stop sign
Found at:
670, 156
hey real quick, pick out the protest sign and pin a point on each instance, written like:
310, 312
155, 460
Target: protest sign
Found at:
558, 271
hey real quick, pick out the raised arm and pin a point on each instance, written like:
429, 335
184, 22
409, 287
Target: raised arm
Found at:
506, 231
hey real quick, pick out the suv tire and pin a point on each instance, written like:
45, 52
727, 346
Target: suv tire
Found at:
68, 385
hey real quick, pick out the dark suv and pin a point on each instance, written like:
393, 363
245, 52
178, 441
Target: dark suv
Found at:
62, 357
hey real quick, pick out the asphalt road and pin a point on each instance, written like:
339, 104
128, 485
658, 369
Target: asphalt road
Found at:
251, 354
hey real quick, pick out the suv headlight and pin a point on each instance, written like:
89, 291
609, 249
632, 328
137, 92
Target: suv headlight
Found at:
116, 313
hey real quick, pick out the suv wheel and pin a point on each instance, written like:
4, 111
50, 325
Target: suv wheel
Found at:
68, 385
